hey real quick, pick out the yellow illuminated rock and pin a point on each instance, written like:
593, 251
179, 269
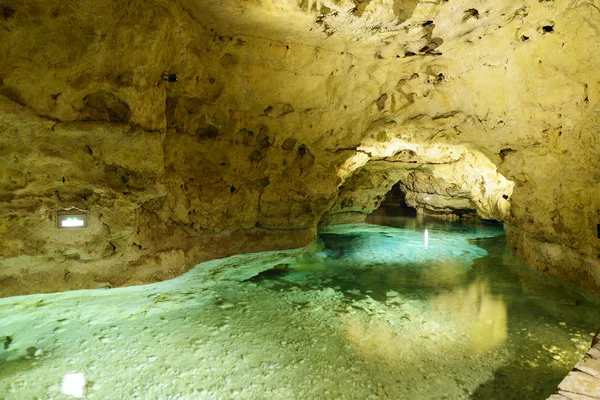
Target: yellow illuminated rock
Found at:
280, 115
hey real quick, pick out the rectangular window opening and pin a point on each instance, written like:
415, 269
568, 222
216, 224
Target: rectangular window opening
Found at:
71, 219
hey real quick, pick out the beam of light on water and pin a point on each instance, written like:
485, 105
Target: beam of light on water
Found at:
426, 238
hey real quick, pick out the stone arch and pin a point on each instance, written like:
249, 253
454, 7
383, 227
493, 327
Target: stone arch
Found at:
445, 180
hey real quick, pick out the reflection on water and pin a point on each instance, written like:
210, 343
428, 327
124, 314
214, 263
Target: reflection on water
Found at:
416, 309
472, 313
452, 288
481, 313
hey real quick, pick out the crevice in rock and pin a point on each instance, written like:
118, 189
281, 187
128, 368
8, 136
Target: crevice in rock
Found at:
548, 28
104, 106
470, 13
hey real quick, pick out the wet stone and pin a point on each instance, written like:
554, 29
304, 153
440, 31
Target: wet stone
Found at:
590, 366
581, 383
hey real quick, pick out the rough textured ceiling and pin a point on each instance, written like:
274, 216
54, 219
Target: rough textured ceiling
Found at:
277, 105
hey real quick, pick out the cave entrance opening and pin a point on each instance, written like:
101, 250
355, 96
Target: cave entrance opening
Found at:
446, 182
394, 203
400, 202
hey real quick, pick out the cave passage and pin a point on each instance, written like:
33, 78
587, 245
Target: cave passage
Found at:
418, 309
394, 203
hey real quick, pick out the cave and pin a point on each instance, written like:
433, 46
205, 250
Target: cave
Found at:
277, 199
394, 203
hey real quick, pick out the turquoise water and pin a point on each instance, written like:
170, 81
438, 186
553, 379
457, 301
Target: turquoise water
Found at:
397, 309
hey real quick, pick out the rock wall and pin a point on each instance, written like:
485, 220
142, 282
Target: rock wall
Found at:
148, 218
278, 109
437, 179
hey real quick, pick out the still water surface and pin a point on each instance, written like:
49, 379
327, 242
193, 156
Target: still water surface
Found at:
396, 309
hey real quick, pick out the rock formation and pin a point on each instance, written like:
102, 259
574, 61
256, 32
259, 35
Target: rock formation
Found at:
436, 179
190, 130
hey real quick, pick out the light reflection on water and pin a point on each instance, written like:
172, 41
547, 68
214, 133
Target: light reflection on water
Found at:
473, 285
375, 312
479, 311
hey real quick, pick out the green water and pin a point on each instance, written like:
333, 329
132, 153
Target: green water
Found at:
371, 312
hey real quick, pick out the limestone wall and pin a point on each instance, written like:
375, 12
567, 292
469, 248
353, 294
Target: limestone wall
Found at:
277, 108
437, 179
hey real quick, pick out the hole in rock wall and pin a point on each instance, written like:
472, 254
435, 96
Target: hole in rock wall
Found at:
548, 28
423, 204
449, 182
70, 219
394, 203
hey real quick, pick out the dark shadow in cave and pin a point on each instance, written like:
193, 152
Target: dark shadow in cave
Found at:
394, 205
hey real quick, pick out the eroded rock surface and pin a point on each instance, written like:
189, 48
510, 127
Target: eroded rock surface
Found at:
276, 110
437, 179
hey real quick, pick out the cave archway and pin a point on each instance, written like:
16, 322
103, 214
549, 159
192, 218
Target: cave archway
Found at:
442, 180
451, 208
394, 203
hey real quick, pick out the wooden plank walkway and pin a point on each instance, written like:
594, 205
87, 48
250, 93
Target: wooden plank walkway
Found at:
583, 382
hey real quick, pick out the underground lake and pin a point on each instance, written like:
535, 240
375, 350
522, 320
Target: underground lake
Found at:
397, 308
